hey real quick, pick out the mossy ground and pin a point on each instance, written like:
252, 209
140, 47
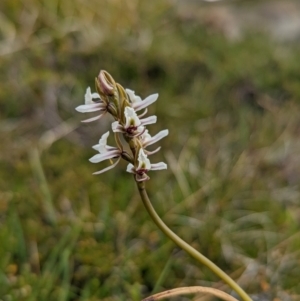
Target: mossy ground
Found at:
232, 187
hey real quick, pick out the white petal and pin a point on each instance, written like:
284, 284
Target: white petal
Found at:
108, 148
88, 97
102, 146
103, 139
101, 157
131, 117
95, 95
146, 136
90, 108
144, 162
114, 125
157, 137
134, 98
117, 127
145, 103
107, 168
149, 120
130, 168
159, 166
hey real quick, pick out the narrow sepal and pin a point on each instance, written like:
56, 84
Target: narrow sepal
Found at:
107, 168
93, 118
159, 166
90, 108
148, 153
101, 157
149, 120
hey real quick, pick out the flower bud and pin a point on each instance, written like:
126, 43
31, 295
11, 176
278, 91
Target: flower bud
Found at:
106, 83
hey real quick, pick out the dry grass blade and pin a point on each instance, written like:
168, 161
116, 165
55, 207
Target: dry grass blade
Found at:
190, 290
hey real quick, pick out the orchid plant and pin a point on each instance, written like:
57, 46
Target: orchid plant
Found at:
123, 105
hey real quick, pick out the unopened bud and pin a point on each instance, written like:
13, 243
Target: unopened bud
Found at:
106, 82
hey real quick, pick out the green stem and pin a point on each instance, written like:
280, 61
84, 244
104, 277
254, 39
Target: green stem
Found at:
186, 247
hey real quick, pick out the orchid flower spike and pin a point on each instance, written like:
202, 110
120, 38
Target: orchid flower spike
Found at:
144, 165
137, 103
105, 152
133, 126
93, 103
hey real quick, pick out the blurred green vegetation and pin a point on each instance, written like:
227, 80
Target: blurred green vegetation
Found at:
232, 187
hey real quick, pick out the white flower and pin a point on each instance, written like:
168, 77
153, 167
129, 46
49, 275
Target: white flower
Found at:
105, 152
139, 104
133, 125
90, 105
144, 165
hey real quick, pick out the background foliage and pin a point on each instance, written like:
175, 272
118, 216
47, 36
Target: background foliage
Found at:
231, 103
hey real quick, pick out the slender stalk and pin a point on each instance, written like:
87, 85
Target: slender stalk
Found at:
190, 290
186, 247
